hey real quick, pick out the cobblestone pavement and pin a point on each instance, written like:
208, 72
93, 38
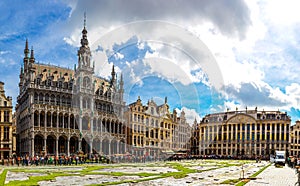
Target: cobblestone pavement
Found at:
275, 177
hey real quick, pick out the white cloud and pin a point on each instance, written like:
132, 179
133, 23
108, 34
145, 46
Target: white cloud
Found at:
281, 12
190, 115
255, 57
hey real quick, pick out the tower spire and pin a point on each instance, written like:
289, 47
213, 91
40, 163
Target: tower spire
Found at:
113, 74
84, 41
84, 21
26, 50
32, 55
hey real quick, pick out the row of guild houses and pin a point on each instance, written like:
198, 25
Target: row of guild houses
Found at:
62, 111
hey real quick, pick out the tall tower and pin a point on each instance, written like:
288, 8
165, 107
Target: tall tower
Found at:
84, 92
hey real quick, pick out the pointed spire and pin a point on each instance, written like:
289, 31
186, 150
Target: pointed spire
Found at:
32, 55
84, 22
26, 50
113, 73
84, 41
166, 100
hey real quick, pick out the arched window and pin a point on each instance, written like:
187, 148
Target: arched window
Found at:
36, 97
47, 98
52, 99
86, 82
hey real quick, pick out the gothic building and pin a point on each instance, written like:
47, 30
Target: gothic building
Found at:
61, 111
153, 130
243, 133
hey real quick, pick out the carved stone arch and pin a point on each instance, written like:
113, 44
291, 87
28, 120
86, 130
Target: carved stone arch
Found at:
36, 118
66, 120
51, 144
58, 103
72, 121
36, 97
48, 118
42, 116
86, 122
60, 119
41, 97
39, 144
73, 144
63, 100
62, 144
54, 119
52, 99
86, 82
103, 123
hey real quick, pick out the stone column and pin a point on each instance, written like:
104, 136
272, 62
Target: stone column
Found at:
57, 120
284, 131
109, 147
68, 146
69, 122
79, 144
32, 119
91, 146
228, 138
32, 146
100, 147
236, 137
80, 123
280, 132
45, 145
56, 147
118, 150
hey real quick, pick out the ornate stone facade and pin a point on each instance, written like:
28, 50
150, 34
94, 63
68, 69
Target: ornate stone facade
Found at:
244, 133
295, 140
7, 128
153, 130
62, 111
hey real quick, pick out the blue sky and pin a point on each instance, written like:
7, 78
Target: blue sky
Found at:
205, 56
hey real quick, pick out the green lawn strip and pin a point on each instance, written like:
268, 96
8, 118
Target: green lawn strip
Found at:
33, 180
3, 177
243, 182
261, 170
182, 172
230, 181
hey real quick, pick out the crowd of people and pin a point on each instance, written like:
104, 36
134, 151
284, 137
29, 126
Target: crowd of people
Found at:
293, 161
78, 159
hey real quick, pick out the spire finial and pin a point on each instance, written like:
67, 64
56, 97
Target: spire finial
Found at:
26, 50
32, 53
113, 73
84, 22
